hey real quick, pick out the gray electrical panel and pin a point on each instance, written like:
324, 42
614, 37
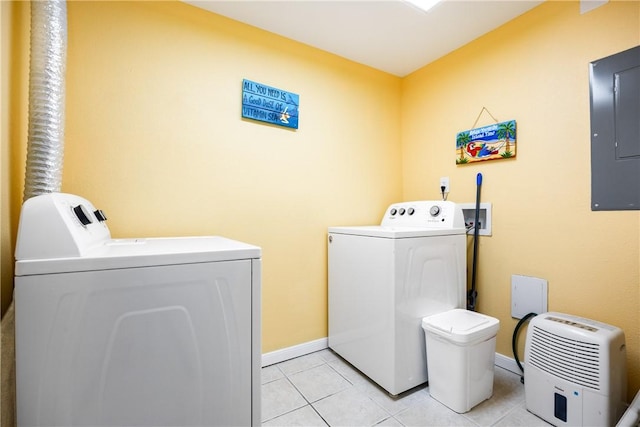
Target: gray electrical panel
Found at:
614, 84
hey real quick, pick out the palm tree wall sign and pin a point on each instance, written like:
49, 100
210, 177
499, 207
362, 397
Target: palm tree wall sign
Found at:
496, 141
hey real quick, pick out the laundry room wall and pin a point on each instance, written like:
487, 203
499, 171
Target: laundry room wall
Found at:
154, 137
14, 51
5, 224
535, 70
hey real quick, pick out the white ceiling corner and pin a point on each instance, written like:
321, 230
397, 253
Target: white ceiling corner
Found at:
390, 35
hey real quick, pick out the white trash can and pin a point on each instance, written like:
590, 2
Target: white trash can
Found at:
461, 348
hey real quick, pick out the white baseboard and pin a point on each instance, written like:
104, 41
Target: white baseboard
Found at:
507, 363
281, 355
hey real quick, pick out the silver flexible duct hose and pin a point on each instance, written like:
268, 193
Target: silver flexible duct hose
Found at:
45, 145
46, 97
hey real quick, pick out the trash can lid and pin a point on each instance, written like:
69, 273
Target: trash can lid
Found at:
462, 326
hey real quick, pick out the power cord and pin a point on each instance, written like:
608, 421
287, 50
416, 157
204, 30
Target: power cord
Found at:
514, 342
444, 195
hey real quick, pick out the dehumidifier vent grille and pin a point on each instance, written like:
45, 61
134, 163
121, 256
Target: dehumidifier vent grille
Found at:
572, 360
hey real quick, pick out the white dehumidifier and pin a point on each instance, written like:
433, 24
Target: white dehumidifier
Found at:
575, 371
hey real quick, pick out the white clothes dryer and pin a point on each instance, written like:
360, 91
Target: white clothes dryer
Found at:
132, 332
383, 279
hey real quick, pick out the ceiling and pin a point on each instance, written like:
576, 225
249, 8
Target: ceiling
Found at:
389, 35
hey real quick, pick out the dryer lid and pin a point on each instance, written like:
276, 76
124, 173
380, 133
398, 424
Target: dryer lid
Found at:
63, 233
132, 253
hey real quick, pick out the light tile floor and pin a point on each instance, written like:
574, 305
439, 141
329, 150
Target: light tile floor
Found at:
321, 389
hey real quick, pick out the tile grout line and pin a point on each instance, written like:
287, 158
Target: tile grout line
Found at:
286, 377
352, 385
310, 404
333, 364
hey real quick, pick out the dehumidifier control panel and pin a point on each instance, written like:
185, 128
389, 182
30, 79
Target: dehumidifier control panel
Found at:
437, 214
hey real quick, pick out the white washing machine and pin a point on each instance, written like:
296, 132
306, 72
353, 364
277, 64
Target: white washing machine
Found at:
384, 279
132, 332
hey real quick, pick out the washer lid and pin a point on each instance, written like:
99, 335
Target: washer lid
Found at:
131, 253
395, 232
462, 326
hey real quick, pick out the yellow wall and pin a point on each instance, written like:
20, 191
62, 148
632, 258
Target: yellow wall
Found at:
5, 229
154, 137
14, 63
534, 70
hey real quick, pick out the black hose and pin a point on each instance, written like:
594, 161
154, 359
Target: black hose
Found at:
472, 295
514, 341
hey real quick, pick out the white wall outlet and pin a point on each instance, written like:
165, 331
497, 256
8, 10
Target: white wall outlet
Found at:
444, 182
528, 295
484, 219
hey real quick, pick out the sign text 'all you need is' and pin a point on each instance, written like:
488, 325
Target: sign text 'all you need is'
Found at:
268, 104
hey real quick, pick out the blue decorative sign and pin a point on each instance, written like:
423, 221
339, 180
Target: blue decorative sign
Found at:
268, 104
497, 141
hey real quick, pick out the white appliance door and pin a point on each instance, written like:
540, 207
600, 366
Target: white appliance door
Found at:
361, 318
430, 279
379, 290
151, 346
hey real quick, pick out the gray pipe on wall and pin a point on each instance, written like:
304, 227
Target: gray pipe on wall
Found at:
45, 143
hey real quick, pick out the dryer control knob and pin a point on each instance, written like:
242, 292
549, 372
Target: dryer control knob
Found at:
434, 211
401, 211
411, 211
393, 211
82, 214
100, 215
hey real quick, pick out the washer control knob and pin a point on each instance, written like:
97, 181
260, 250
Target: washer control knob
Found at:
100, 215
83, 215
393, 211
402, 211
411, 211
435, 210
